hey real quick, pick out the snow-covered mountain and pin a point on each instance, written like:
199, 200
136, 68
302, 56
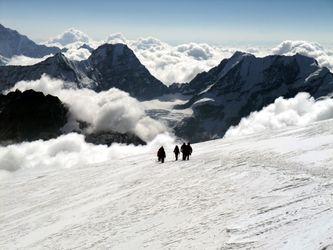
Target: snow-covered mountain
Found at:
218, 99
243, 84
254, 192
110, 65
13, 43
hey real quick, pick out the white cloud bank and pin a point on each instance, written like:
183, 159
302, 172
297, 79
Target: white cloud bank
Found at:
311, 49
75, 52
298, 111
69, 151
72, 40
109, 110
68, 37
25, 60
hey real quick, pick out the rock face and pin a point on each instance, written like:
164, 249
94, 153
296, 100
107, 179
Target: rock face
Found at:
30, 115
13, 43
243, 84
110, 65
107, 138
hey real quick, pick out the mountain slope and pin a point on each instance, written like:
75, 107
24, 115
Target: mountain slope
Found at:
243, 84
259, 191
110, 65
13, 43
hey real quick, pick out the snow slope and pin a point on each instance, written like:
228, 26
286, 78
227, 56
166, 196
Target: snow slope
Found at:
259, 191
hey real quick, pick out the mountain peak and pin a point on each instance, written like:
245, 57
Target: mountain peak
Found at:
113, 54
238, 53
58, 58
123, 70
107, 47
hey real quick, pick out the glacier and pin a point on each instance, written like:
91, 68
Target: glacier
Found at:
268, 190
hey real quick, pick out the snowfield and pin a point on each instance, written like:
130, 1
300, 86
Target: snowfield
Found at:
261, 191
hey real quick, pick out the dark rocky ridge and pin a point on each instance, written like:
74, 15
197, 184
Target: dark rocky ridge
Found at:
107, 138
29, 116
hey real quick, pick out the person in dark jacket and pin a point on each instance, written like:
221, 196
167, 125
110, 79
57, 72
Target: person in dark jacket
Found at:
176, 151
183, 150
188, 151
161, 155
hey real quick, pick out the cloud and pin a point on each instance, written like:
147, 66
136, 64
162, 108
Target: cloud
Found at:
116, 38
69, 36
75, 52
197, 51
25, 60
311, 49
112, 110
298, 111
70, 150
174, 63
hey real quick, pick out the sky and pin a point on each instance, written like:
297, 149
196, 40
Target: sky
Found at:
232, 22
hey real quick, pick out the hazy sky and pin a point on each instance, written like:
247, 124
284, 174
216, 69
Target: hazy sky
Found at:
176, 21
